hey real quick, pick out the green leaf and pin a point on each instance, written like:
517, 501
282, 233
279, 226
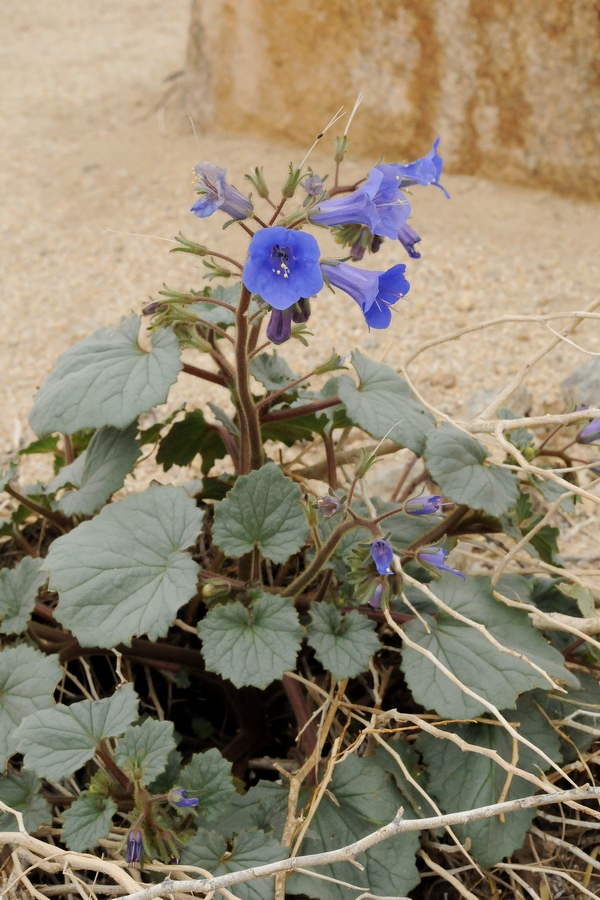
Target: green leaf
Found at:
263, 807
496, 676
551, 491
272, 371
106, 379
186, 439
44, 445
18, 590
343, 644
98, 472
126, 571
582, 706
58, 741
144, 749
7, 473
545, 543
361, 798
456, 463
384, 405
465, 780
250, 848
21, 792
87, 820
254, 645
208, 777
582, 597
263, 510
170, 777
27, 682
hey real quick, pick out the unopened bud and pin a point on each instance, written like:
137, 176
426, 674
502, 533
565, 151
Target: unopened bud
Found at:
188, 246
258, 182
150, 308
291, 183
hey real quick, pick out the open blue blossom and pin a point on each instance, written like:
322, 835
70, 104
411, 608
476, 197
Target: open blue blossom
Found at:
279, 327
436, 556
282, 266
133, 848
424, 171
378, 203
590, 433
408, 238
423, 506
216, 194
382, 555
374, 292
180, 798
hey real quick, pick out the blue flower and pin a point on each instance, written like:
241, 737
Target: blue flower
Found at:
408, 238
216, 194
279, 328
436, 556
374, 292
313, 185
382, 555
590, 433
424, 171
282, 266
423, 506
180, 798
378, 203
134, 848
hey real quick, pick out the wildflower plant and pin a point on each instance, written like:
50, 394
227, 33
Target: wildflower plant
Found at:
265, 659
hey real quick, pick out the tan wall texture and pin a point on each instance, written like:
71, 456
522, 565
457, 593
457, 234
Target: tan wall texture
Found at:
512, 86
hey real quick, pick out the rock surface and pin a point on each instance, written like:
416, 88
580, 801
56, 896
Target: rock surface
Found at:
513, 86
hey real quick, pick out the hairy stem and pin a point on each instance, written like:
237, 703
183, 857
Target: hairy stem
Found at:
251, 452
205, 374
280, 415
310, 573
55, 517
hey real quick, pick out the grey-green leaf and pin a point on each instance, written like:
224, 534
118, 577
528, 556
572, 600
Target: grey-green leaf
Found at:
384, 405
18, 589
466, 780
496, 676
126, 571
250, 848
106, 379
58, 741
208, 777
262, 510
101, 470
21, 792
87, 820
144, 749
272, 371
456, 463
27, 682
343, 644
252, 645
361, 798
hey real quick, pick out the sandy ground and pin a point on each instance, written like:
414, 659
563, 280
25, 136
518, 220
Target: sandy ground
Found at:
92, 146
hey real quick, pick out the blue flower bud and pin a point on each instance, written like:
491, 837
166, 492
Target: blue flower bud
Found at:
313, 185
436, 556
180, 798
382, 554
279, 328
134, 848
375, 601
590, 433
301, 311
423, 506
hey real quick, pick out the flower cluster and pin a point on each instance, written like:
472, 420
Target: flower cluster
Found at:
284, 267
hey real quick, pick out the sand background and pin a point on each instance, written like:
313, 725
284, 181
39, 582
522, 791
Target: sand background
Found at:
95, 141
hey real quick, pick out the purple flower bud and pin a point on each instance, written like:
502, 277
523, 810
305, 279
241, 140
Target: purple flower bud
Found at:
423, 506
329, 506
216, 194
382, 555
590, 433
436, 556
408, 238
151, 308
283, 266
279, 328
180, 798
313, 186
301, 311
134, 848
375, 601
376, 243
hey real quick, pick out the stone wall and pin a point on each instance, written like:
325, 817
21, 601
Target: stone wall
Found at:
512, 86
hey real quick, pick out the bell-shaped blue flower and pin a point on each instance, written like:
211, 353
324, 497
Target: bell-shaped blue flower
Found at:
378, 203
408, 238
424, 171
282, 266
436, 557
374, 292
216, 194
590, 433
423, 506
382, 555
